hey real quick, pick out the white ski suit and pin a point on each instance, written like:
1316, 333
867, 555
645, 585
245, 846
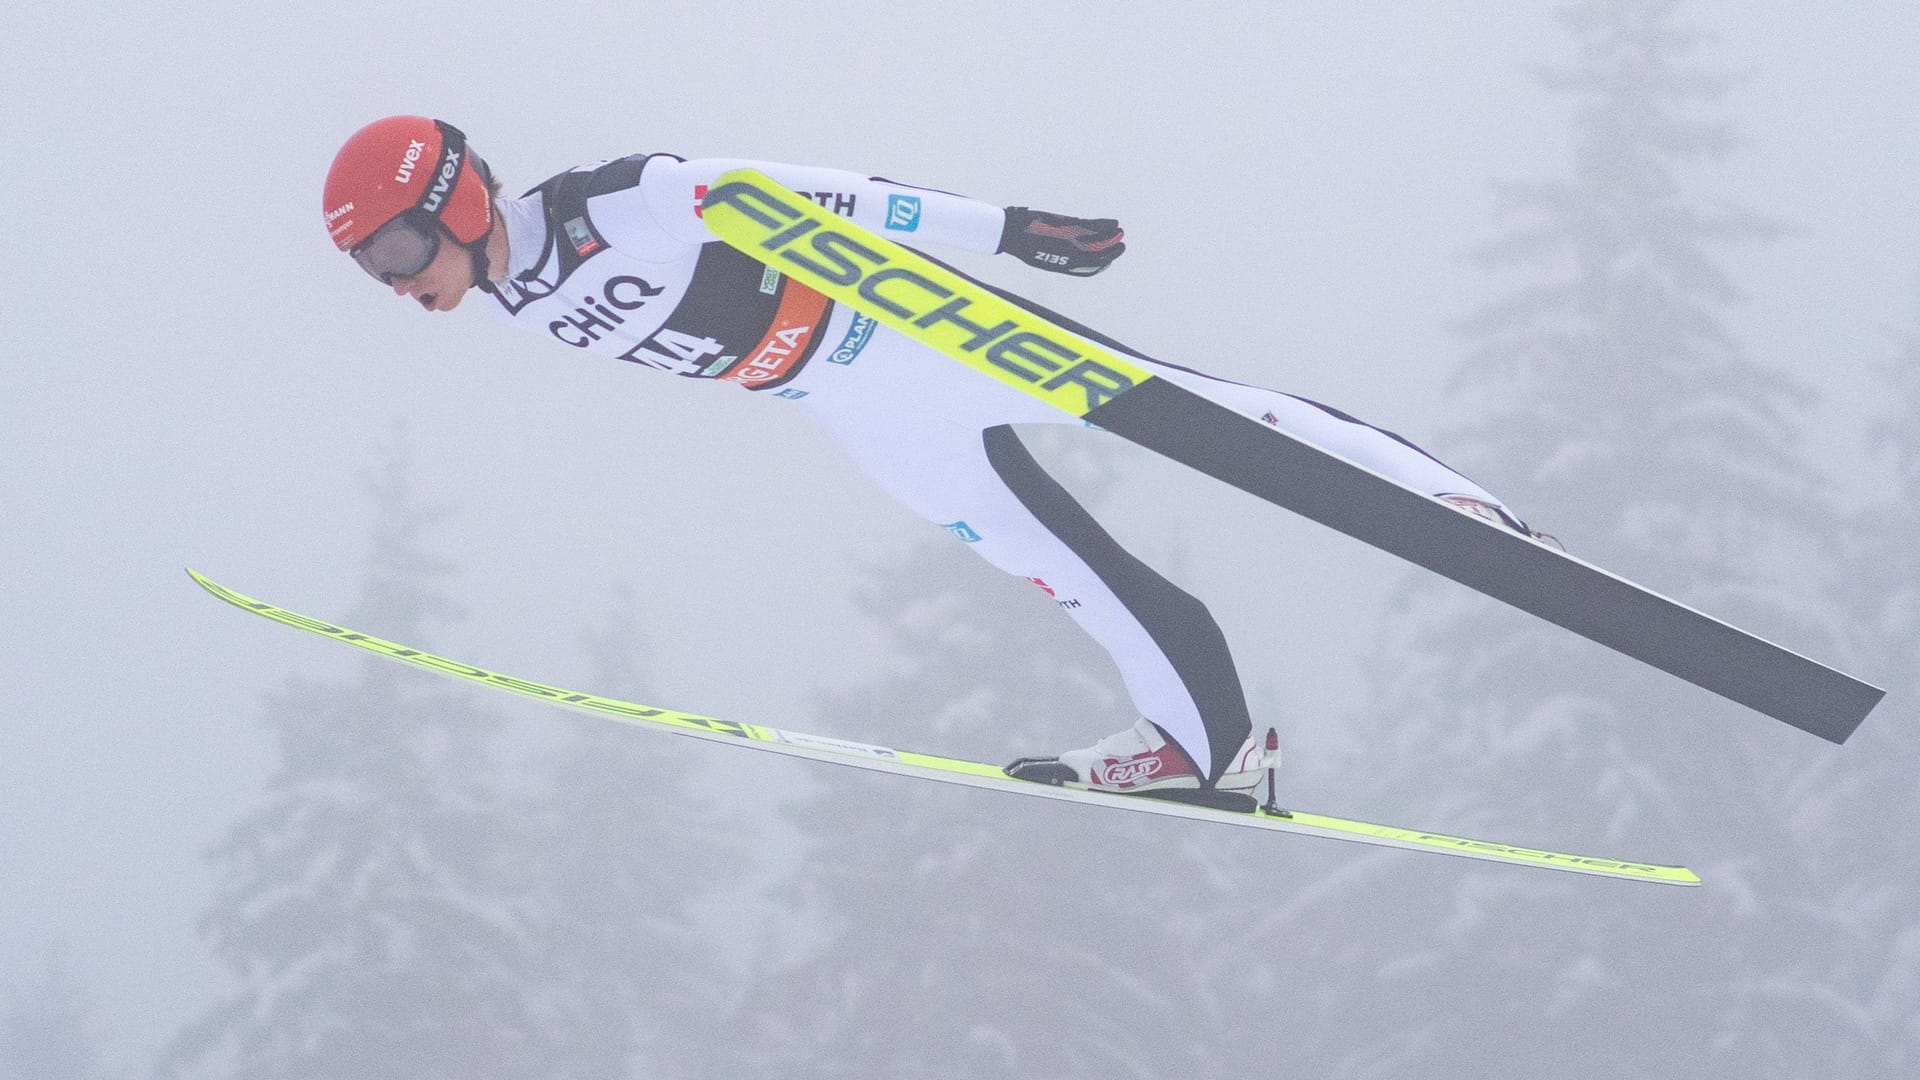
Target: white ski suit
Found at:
613, 259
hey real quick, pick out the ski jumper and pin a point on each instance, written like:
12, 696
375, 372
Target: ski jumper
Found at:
613, 259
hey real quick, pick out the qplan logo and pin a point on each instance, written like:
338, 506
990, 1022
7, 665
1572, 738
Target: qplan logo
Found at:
858, 334
903, 212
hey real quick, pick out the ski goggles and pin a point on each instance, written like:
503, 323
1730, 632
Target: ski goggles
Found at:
401, 248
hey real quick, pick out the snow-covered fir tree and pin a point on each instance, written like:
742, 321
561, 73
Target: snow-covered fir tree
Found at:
1853, 982
632, 847
1841, 955
1610, 402
373, 907
974, 934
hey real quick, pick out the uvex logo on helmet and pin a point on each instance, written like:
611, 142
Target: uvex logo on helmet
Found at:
404, 163
404, 174
443, 183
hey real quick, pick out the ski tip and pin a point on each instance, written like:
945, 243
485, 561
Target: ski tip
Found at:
217, 590
1665, 875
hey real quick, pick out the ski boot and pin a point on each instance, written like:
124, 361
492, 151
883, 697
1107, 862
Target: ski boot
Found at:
1143, 761
1486, 511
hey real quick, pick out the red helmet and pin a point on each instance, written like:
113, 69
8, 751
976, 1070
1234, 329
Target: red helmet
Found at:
394, 165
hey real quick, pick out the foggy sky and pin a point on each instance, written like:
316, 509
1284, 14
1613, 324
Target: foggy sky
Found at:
190, 375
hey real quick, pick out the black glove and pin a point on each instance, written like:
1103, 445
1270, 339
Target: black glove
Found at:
1064, 245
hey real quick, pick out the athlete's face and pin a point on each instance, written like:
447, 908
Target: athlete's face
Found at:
445, 281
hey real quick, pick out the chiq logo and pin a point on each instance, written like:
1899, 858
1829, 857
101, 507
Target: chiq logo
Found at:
1030, 349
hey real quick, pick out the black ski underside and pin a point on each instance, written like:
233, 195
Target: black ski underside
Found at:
1591, 602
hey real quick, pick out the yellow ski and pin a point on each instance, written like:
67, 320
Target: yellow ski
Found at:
943, 769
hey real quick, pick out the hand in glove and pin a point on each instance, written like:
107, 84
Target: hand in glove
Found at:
1064, 245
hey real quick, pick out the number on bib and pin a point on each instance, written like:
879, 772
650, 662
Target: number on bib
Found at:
691, 351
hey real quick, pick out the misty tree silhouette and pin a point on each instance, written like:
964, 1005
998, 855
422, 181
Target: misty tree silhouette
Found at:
373, 907
630, 843
1607, 400
973, 934
1611, 404
1852, 977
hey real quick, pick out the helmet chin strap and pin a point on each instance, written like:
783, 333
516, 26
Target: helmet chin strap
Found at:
477, 251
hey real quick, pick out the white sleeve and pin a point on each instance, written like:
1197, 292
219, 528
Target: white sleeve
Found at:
673, 189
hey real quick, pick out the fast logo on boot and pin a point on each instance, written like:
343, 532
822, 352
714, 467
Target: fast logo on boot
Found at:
1130, 772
